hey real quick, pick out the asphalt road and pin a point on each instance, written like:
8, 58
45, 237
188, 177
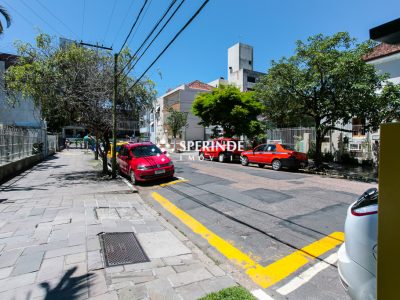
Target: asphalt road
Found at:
267, 215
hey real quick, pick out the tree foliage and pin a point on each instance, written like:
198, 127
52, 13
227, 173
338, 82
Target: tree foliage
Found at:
236, 112
176, 120
326, 81
74, 85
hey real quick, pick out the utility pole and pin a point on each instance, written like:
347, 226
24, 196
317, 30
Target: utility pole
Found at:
114, 119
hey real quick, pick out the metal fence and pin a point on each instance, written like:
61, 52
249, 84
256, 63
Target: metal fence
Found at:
52, 143
292, 136
17, 143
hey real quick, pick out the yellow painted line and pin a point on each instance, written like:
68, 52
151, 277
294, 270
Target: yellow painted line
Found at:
174, 182
263, 276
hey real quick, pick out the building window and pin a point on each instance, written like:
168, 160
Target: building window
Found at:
358, 127
250, 62
251, 79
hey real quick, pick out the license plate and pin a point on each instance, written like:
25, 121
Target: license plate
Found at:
159, 171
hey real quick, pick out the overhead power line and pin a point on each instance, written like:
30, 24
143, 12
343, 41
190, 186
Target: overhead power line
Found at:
110, 19
57, 18
170, 43
140, 22
123, 21
83, 17
155, 37
43, 20
149, 35
133, 25
21, 15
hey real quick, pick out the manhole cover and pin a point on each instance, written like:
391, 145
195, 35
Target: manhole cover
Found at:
121, 248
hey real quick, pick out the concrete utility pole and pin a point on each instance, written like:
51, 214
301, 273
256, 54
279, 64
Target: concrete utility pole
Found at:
114, 119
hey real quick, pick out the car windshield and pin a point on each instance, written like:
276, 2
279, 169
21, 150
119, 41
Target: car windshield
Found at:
146, 150
287, 147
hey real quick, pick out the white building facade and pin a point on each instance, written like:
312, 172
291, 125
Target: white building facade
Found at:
240, 74
23, 113
240, 67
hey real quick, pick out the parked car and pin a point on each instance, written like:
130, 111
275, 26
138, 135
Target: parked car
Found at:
277, 155
109, 153
222, 149
144, 162
357, 255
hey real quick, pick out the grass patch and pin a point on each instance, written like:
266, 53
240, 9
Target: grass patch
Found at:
232, 293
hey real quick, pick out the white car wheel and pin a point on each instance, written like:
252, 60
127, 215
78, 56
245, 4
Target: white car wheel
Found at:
221, 157
201, 156
244, 160
276, 165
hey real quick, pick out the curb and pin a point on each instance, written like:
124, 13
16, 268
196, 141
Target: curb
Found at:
348, 177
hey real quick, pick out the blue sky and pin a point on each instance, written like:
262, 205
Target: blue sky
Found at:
271, 27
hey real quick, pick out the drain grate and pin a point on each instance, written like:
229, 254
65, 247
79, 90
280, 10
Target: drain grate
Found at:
121, 248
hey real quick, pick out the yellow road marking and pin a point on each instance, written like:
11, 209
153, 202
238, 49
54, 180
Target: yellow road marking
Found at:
263, 276
174, 182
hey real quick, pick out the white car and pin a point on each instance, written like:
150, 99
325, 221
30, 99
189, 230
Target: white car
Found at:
357, 256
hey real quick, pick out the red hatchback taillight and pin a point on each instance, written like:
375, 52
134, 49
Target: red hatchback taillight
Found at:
367, 204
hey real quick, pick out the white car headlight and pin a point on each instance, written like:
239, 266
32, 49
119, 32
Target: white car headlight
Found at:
141, 167
170, 163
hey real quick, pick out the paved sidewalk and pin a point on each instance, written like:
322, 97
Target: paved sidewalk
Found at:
50, 218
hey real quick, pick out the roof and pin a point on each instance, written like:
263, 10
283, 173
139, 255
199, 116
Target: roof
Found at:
198, 85
226, 139
382, 50
132, 145
10, 59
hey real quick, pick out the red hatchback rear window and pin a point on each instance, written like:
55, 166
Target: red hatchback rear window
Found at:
146, 150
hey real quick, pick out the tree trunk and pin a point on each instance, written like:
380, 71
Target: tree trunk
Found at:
105, 167
96, 153
318, 144
106, 149
174, 144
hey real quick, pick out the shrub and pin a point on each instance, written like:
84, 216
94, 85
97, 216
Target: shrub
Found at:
367, 163
328, 157
232, 293
347, 159
311, 151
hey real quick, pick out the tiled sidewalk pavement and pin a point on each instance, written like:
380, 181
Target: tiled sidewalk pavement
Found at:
50, 248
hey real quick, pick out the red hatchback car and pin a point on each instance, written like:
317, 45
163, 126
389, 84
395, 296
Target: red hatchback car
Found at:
144, 162
222, 149
277, 155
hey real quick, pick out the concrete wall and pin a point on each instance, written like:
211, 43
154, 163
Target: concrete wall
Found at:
24, 113
390, 65
218, 82
240, 56
193, 131
12, 169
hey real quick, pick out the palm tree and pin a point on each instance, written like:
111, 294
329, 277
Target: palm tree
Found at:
6, 16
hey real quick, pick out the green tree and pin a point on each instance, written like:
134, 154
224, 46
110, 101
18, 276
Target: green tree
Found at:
74, 85
390, 98
236, 112
6, 16
176, 120
326, 81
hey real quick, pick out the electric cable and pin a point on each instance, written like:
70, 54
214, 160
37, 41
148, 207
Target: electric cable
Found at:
149, 35
133, 25
155, 37
169, 44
